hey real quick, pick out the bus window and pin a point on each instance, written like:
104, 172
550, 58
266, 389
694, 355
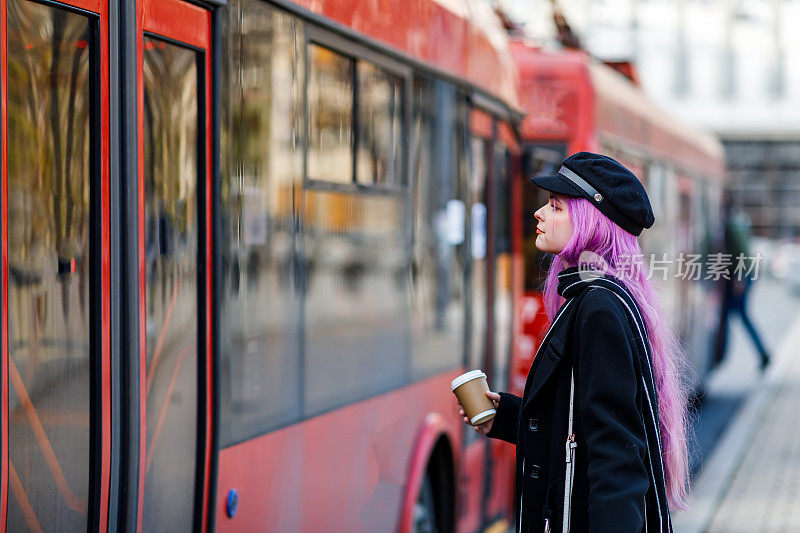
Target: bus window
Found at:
356, 327
171, 303
654, 182
478, 244
656, 239
260, 297
354, 242
380, 120
49, 102
538, 160
330, 115
503, 297
438, 267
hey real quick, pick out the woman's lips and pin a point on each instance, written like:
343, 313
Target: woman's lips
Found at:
538, 231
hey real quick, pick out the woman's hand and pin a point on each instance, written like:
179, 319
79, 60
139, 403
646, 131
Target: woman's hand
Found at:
486, 427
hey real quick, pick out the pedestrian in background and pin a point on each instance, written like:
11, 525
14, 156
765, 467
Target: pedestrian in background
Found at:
741, 273
600, 428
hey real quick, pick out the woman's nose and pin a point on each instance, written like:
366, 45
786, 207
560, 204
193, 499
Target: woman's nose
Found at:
538, 215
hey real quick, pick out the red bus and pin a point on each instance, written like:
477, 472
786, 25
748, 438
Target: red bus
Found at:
246, 245
575, 103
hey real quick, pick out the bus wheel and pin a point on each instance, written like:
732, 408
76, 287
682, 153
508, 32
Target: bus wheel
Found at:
425, 508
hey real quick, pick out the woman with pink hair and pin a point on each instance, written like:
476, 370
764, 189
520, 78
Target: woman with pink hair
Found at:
600, 431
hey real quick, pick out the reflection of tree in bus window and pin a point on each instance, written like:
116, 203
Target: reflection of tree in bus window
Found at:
49, 175
171, 288
261, 274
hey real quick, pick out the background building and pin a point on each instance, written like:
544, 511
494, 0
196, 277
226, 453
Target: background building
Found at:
729, 66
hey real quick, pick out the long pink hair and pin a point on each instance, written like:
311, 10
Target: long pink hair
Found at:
595, 232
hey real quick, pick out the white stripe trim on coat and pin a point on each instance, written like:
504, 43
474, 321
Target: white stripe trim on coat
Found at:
649, 459
559, 314
651, 470
642, 336
647, 391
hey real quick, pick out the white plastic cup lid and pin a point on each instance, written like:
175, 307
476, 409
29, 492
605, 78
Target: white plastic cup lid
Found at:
463, 378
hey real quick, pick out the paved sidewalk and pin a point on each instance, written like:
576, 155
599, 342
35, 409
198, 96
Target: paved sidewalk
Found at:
764, 492
752, 480
772, 309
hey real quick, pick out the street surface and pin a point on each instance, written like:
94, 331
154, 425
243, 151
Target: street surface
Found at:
772, 308
746, 459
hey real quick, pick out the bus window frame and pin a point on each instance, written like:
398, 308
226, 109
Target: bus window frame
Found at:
100, 401
154, 21
315, 35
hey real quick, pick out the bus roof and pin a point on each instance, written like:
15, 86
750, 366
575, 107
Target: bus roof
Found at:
461, 38
554, 88
571, 98
624, 115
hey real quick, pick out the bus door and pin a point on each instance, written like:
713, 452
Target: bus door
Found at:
54, 368
174, 135
500, 460
541, 159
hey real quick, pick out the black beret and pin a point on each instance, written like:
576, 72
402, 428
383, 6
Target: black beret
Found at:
612, 188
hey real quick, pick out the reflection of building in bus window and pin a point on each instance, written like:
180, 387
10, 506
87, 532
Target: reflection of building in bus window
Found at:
49, 178
379, 123
356, 338
330, 115
260, 300
354, 241
477, 202
438, 292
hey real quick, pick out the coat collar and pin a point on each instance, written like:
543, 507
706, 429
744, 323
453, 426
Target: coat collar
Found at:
572, 280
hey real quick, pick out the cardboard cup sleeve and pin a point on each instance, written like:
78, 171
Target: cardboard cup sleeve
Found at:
470, 389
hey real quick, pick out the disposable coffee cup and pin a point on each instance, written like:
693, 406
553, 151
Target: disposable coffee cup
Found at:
470, 389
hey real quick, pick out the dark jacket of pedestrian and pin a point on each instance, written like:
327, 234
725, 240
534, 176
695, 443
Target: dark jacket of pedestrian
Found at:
619, 483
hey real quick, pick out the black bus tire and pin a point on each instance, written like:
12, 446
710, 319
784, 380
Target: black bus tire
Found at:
425, 518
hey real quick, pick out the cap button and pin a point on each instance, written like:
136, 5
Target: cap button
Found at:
598, 197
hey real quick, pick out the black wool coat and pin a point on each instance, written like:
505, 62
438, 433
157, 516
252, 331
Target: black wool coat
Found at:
619, 481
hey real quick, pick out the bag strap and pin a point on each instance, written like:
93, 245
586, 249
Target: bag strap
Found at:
572, 443
570, 456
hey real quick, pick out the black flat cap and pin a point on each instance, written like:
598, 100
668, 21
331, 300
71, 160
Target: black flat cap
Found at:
612, 188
